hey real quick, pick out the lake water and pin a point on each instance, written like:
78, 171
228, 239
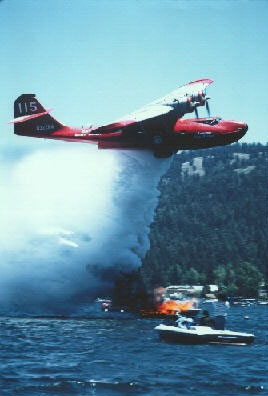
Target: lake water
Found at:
41, 356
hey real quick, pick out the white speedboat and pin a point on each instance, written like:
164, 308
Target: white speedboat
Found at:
195, 334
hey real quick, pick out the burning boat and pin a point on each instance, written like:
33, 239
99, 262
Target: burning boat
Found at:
171, 308
131, 296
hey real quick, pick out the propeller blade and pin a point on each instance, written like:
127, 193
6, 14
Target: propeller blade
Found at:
196, 112
207, 108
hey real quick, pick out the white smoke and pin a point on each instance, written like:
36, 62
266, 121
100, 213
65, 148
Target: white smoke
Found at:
71, 218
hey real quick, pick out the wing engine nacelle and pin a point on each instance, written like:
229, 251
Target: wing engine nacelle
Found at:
196, 100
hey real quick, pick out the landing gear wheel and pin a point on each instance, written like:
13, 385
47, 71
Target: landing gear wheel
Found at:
157, 140
160, 149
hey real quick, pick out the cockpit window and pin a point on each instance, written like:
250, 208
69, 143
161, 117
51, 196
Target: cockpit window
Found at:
214, 122
210, 121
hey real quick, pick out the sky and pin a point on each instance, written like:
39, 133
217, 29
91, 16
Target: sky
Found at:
94, 61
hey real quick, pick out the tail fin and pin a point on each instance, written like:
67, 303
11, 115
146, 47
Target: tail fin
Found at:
31, 119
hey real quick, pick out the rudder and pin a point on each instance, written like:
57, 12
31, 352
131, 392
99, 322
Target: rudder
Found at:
31, 118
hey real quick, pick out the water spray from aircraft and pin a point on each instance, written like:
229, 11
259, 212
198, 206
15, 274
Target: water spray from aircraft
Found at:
72, 218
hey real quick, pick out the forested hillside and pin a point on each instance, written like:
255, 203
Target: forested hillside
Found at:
211, 222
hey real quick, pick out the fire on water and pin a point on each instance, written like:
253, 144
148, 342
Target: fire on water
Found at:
171, 308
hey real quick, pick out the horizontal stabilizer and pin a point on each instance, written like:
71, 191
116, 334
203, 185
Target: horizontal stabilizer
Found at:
29, 117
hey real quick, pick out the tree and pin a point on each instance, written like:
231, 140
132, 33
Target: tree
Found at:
248, 278
210, 223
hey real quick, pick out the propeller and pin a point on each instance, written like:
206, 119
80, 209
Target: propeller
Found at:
207, 108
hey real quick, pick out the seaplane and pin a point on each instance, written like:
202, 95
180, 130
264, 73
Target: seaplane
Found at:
158, 126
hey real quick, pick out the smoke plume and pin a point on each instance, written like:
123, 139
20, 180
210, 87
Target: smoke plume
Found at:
72, 218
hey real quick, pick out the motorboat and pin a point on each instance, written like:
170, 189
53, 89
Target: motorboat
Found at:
185, 332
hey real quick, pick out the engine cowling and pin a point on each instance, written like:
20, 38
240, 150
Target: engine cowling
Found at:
196, 100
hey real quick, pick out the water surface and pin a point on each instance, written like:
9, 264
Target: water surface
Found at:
41, 356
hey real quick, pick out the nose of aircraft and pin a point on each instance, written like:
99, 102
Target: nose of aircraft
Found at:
242, 129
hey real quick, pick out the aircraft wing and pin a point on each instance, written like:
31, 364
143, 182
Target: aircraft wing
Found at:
170, 102
147, 112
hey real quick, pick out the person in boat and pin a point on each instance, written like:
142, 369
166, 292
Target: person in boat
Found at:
220, 308
184, 323
205, 319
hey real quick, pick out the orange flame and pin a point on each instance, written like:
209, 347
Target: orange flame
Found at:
171, 306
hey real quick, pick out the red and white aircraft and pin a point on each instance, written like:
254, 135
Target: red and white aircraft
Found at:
159, 126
